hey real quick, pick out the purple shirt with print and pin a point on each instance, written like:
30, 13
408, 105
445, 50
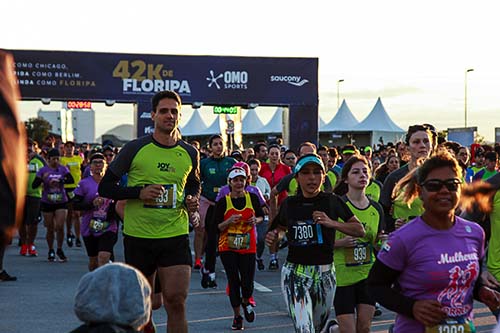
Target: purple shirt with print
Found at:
440, 265
224, 190
53, 186
87, 188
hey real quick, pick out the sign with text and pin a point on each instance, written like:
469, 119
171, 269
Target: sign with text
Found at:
225, 109
137, 77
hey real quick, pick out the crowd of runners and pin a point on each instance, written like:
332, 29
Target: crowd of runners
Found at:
413, 226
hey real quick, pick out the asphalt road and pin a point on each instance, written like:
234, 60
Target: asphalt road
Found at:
41, 300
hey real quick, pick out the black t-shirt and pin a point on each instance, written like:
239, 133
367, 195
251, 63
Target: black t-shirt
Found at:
310, 243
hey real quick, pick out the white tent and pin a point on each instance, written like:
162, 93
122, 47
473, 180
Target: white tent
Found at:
380, 125
251, 123
275, 125
344, 120
195, 125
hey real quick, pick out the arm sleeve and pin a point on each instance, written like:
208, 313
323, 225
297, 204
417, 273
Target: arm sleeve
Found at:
386, 202
79, 203
340, 208
284, 183
36, 182
68, 178
109, 187
280, 219
380, 282
219, 210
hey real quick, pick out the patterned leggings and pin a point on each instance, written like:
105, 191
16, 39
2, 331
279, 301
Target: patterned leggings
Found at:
309, 292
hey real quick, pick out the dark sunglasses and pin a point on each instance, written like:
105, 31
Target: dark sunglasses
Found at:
435, 185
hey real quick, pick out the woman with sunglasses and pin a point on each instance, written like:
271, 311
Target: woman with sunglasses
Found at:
354, 256
311, 219
435, 260
99, 225
421, 141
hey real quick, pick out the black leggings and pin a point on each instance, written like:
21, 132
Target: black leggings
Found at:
212, 240
240, 272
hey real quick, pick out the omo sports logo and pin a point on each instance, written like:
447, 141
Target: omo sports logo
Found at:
233, 80
294, 80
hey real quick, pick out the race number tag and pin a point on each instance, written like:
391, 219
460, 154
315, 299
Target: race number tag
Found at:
361, 254
97, 225
305, 233
166, 201
55, 197
452, 326
238, 241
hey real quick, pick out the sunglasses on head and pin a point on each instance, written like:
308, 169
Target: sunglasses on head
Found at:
435, 185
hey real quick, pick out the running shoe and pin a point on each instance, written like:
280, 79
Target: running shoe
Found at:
237, 323
249, 312
4, 276
332, 326
378, 310
273, 265
252, 302
32, 252
260, 264
52, 255
24, 250
211, 281
69, 240
78, 242
61, 255
198, 264
205, 277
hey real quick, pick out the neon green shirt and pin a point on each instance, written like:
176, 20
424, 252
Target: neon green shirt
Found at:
176, 168
353, 264
493, 261
35, 164
74, 164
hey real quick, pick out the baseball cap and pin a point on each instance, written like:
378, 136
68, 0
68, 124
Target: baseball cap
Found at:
54, 152
236, 153
308, 159
237, 172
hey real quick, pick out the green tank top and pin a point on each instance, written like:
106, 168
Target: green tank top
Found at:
353, 264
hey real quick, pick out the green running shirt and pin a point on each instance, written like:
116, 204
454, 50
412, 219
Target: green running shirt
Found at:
148, 162
353, 264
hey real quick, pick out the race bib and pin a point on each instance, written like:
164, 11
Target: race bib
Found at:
305, 233
452, 326
361, 254
55, 197
166, 201
97, 225
238, 241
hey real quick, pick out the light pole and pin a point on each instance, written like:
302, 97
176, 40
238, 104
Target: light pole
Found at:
338, 94
465, 98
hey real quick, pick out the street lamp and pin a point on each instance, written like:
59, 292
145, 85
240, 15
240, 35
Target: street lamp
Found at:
465, 98
338, 94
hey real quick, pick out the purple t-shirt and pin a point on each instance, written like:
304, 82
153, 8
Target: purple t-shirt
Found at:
224, 190
94, 222
53, 186
441, 265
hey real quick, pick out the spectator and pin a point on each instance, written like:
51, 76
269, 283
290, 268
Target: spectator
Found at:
113, 298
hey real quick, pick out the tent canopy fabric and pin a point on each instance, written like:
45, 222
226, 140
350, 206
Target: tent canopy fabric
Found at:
344, 120
251, 123
195, 125
378, 120
275, 125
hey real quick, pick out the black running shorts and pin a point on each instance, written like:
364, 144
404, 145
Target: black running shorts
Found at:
147, 254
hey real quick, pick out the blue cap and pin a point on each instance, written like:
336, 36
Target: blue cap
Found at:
307, 159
